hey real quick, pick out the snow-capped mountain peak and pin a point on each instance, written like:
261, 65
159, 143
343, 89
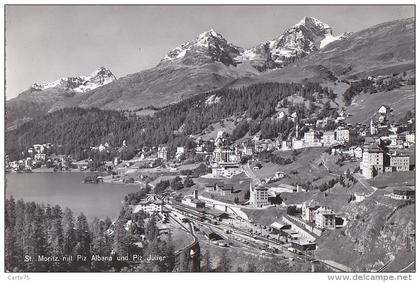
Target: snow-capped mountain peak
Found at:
303, 38
205, 38
80, 84
310, 21
210, 46
208, 33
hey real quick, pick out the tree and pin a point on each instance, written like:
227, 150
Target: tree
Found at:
10, 213
83, 237
341, 180
19, 236
108, 222
251, 267
100, 244
176, 183
10, 254
188, 182
207, 264
168, 252
56, 236
183, 262
10, 250
37, 233
292, 210
152, 230
236, 200
224, 264
69, 241
161, 186
240, 130
121, 244
247, 195
274, 265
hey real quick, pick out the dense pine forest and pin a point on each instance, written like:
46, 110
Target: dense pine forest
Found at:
77, 129
35, 232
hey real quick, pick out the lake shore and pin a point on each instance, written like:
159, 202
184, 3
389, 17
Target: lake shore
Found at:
106, 178
68, 190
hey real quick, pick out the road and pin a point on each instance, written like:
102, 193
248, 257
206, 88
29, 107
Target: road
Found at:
248, 171
408, 266
365, 183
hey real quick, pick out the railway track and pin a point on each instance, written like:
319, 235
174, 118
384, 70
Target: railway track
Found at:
196, 216
190, 231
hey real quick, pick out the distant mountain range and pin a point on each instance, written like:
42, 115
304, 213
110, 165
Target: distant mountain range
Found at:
307, 50
41, 98
303, 38
80, 84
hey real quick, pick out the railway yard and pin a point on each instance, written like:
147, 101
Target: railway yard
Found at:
240, 235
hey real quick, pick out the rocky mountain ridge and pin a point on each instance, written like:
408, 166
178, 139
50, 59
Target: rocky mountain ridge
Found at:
80, 84
303, 38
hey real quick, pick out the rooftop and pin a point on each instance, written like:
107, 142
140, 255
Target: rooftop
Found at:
404, 189
325, 211
215, 212
373, 148
279, 225
260, 188
193, 200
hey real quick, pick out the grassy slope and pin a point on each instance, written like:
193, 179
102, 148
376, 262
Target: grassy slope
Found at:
365, 106
339, 88
159, 86
32, 104
211, 131
308, 167
336, 199
356, 188
393, 179
306, 164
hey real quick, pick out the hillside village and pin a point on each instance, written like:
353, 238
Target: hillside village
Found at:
312, 173
228, 179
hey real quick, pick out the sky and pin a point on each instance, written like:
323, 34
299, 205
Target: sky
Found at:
45, 43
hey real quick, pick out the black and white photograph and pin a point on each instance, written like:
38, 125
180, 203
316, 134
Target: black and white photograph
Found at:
210, 138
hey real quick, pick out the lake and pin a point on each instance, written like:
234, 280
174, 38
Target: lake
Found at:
68, 190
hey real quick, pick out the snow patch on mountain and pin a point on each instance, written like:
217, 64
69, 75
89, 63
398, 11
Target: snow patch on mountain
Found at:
212, 100
329, 38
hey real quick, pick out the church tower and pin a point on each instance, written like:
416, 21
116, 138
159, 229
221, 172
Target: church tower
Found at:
372, 128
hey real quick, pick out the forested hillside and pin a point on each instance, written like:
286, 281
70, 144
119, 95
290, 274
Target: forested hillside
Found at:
76, 129
35, 234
